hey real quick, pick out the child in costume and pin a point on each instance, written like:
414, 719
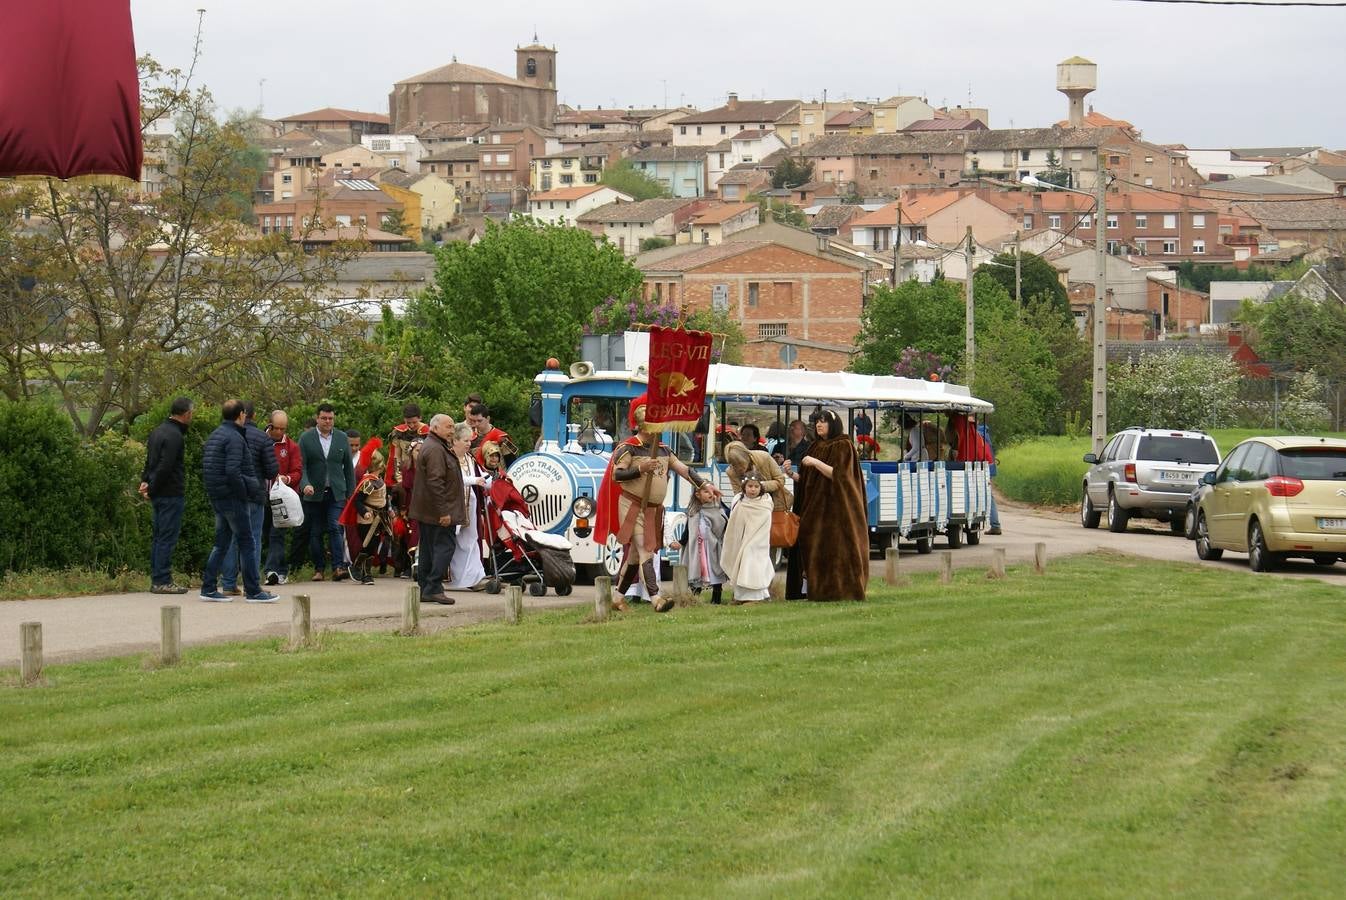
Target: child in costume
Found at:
706, 522
746, 552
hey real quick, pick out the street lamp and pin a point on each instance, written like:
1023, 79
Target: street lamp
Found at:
1099, 429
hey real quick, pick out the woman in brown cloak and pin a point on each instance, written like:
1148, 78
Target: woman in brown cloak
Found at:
830, 561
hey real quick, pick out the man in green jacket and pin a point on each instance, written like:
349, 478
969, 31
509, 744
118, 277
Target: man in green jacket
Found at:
326, 485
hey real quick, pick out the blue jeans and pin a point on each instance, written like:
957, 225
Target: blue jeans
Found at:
232, 523
229, 569
324, 513
167, 527
275, 547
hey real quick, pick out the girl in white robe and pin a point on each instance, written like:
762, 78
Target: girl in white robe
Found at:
745, 554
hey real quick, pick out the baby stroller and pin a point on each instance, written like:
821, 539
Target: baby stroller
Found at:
520, 552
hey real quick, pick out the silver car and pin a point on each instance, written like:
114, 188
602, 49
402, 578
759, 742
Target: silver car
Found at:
1146, 473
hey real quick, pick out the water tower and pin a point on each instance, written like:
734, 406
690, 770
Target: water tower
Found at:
1077, 78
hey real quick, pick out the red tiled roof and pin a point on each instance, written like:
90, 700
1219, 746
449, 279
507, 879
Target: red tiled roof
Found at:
332, 114
914, 210
718, 214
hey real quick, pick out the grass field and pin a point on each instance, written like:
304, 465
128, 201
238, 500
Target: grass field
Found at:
1117, 727
1048, 470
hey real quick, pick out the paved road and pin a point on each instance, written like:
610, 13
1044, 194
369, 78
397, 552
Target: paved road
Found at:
118, 624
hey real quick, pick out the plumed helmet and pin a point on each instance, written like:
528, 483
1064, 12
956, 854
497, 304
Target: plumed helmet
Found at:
636, 415
368, 452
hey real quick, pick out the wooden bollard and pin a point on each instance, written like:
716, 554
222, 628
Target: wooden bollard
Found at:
1040, 558
411, 610
892, 569
514, 604
681, 586
170, 635
946, 567
301, 621
997, 563
602, 598
30, 644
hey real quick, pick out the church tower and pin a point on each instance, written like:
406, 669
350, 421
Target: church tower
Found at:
536, 65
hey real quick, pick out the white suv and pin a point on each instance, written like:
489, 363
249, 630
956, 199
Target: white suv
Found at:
1146, 473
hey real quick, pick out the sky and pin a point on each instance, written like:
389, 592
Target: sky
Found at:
1204, 76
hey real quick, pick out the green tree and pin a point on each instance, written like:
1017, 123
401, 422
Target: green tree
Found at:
1016, 370
394, 223
1304, 333
613, 315
1037, 278
791, 172
770, 209
1055, 173
929, 317
655, 243
625, 177
1172, 389
523, 293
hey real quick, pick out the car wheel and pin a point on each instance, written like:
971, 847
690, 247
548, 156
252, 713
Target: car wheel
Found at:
973, 537
1325, 559
1117, 517
1203, 548
955, 536
1088, 515
1260, 559
1189, 520
923, 545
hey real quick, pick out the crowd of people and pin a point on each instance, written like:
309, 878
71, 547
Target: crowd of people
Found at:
367, 505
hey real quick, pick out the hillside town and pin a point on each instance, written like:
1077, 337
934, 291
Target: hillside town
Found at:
789, 211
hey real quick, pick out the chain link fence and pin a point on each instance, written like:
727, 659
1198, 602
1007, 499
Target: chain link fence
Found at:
1286, 402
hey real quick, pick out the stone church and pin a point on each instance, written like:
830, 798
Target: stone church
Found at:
460, 93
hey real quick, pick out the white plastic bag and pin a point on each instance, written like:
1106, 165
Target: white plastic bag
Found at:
286, 509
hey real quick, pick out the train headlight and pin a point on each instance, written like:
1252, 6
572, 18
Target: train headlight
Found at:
583, 507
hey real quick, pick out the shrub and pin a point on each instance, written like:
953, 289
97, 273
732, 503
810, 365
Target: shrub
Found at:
1303, 408
1171, 389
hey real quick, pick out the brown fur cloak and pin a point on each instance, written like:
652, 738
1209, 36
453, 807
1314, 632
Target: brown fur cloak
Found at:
832, 552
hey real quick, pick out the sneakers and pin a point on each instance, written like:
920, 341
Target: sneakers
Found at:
272, 578
169, 588
281, 580
232, 592
263, 597
216, 597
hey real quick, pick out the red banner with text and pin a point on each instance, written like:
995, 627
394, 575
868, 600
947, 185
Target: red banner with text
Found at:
679, 366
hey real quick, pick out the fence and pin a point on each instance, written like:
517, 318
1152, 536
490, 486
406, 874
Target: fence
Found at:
1272, 403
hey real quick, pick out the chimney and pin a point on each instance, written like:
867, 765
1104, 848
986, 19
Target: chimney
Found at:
733, 101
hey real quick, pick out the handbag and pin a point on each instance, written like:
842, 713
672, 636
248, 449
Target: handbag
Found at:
287, 511
784, 528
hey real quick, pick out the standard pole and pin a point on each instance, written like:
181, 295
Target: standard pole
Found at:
1100, 403
897, 248
970, 348
1018, 278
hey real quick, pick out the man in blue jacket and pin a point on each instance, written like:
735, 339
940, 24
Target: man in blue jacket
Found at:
163, 483
231, 478
261, 449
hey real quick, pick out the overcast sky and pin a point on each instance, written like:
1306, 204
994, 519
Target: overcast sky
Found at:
1206, 76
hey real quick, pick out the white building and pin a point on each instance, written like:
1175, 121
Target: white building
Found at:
399, 151
564, 205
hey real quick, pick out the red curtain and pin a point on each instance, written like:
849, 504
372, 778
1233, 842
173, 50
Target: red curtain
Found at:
69, 91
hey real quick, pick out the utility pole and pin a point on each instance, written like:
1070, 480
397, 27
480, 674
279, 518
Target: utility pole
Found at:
1100, 403
897, 247
970, 348
1018, 277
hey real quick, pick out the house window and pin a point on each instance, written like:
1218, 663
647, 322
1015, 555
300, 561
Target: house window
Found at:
773, 329
1198, 247
1149, 182
1114, 247
1114, 160
286, 179
1028, 221
722, 129
381, 145
705, 239
873, 173
502, 159
1086, 221
1024, 173
1142, 248
1226, 229
698, 129
1023, 155
1149, 160
1077, 155
1142, 220
682, 129
289, 223
1053, 221
721, 160
753, 290
808, 118
591, 178
343, 220
546, 164
1170, 247
1170, 220
1113, 222
565, 163
1198, 221
567, 178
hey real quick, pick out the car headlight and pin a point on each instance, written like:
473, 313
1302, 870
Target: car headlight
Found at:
583, 507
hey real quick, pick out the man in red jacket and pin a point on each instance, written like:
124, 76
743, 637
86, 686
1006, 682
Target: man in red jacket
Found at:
291, 465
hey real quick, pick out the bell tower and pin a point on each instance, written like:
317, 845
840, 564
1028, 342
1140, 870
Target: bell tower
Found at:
536, 65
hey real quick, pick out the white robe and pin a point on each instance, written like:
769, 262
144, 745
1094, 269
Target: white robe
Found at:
466, 567
745, 554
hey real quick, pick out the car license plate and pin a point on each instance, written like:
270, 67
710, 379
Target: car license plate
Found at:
1175, 476
1325, 524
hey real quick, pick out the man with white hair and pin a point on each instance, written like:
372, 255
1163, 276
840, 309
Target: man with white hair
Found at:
291, 465
439, 504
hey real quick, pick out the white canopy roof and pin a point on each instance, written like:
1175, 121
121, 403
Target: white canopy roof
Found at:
747, 384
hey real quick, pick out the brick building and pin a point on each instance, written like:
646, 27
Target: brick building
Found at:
883, 163
779, 294
461, 93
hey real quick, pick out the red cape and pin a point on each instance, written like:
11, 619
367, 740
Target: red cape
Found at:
606, 516
349, 514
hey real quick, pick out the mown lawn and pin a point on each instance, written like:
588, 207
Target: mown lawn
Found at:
1049, 470
1116, 728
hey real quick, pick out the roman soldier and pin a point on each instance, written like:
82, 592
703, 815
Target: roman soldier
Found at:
631, 505
368, 515
400, 475
479, 417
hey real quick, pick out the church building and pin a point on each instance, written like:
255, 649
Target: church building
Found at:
460, 93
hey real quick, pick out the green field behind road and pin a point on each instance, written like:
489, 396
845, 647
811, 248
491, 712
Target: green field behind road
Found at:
1118, 727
